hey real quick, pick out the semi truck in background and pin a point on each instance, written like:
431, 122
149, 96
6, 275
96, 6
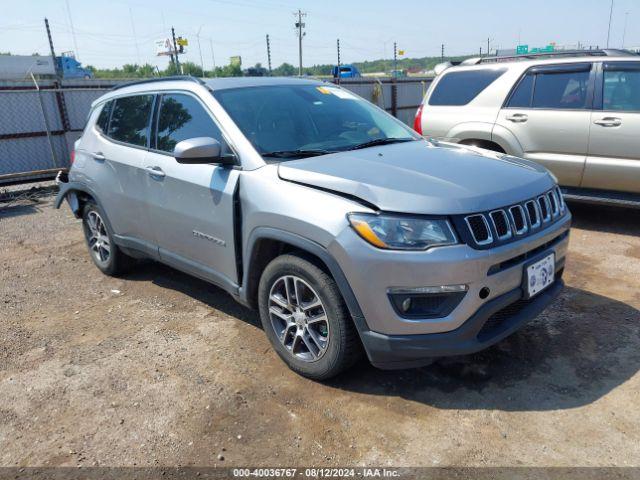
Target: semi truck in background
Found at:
20, 67
345, 71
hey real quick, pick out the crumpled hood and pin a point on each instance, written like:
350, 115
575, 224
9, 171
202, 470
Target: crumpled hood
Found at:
418, 177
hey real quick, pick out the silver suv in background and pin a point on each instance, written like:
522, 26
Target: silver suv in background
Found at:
576, 113
343, 227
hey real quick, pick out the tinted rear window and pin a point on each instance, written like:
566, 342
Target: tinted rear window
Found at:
565, 90
459, 88
521, 97
103, 118
130, 119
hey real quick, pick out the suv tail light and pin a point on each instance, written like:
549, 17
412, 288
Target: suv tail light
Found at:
417, 121
72, 157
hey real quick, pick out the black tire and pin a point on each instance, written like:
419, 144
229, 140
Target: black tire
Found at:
343, 347
116, 262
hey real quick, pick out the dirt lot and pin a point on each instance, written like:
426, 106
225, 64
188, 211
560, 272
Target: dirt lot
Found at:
158, 368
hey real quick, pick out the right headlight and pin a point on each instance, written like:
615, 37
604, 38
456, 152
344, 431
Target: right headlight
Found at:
399, 232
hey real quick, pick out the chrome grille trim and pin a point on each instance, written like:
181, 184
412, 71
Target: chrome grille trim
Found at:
545, 200
562, 205
507, 235
509, 223
486, 224
533, 224
525, 225
553, 202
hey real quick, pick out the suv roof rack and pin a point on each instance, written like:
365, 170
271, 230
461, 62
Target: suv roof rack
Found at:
605, 52
160, 79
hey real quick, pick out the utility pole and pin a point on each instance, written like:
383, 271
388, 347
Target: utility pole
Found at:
624, 31
395, 59
135, 37
609, 29
442, 53
213, 58
269, 54
338, 76
488, 47
175, 50
53, 52
300, 25
480, 52
73, 32
200, 51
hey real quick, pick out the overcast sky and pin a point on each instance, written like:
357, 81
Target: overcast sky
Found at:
111, 33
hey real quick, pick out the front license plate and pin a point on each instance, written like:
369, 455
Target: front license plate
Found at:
540, 275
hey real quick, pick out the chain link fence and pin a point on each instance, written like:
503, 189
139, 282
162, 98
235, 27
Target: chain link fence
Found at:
40, 120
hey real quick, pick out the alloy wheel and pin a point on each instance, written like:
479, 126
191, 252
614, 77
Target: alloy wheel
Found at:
97, 237
299, 318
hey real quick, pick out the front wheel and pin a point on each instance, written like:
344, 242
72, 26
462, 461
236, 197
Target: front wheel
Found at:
305, 318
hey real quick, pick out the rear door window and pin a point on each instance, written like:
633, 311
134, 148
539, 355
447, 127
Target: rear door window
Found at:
521, 96
621, 89
562, 90
130, 119
182, 117
460, 88
103, 119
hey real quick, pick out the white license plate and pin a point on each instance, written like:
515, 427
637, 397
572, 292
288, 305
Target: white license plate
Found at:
540, 275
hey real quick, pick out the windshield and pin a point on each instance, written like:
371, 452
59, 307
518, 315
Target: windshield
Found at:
292, 121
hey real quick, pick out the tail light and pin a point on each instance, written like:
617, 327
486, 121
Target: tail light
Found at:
72, 157
417, 121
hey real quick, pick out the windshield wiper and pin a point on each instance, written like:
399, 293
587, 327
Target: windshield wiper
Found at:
296, 153
380, 141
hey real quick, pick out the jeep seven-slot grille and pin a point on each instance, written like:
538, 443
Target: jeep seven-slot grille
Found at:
513, 222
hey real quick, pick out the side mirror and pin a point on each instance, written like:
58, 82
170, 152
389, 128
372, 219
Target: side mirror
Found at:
201, 150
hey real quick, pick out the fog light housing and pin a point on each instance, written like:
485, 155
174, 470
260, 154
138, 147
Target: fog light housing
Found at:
426, 302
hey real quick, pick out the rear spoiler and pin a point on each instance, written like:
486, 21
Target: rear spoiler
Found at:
441, 67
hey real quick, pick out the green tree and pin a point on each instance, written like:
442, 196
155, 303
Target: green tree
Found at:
285, 70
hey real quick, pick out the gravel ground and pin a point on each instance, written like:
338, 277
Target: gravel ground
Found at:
157, 368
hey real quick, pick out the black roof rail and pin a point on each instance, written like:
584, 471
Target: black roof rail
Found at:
160, 79
606, 52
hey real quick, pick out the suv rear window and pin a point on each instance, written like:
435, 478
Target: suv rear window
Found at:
130, 119
103, 118
558, 87
621, 90
459, 88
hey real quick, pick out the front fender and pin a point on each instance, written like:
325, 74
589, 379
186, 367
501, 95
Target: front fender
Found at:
304, 244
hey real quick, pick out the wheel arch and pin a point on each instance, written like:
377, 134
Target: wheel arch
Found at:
267, 243
77, 194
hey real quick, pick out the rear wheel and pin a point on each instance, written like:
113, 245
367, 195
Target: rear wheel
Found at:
104, 252
305, 319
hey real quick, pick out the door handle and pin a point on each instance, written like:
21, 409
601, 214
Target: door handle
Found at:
609, 122
98, 156
518, 118
155, 172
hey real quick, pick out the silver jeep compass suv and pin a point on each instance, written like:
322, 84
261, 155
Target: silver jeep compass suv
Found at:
344, 228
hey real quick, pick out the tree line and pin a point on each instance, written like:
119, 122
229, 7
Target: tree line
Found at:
283, 70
